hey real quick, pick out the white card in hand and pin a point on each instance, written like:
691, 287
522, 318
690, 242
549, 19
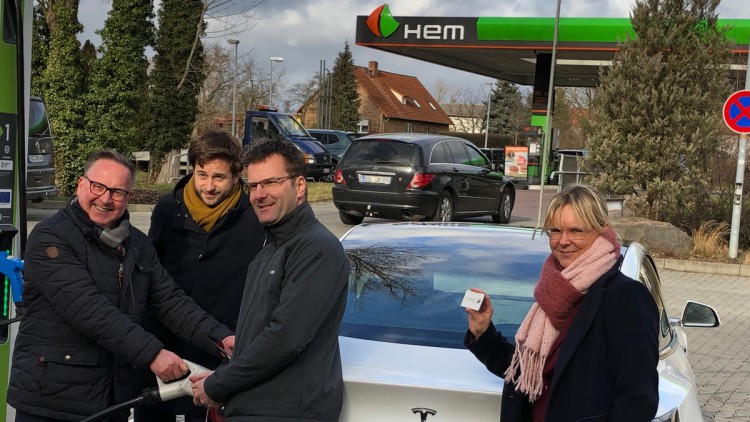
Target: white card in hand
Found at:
472, 300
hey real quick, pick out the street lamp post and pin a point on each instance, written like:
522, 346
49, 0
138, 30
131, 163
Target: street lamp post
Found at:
487, 122
270, 90
234, 88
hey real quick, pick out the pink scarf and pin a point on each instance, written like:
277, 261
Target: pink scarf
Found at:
556, 295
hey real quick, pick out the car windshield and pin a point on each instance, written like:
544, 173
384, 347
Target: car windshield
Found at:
291, 126
382, 152
407, 288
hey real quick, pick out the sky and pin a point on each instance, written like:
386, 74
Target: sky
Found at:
304, 32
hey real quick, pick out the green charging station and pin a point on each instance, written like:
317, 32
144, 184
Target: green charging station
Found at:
15, 51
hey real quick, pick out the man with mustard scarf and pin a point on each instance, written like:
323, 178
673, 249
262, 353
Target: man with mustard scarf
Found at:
205, 233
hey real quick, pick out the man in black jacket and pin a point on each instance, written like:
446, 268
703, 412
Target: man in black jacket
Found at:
286, 365
205, 233
89, 278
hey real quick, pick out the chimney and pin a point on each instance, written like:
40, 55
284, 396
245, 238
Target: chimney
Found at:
373, 65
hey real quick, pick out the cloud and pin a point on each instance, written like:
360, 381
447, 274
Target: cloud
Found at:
307, 31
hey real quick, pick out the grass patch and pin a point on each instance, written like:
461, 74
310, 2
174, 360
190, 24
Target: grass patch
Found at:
142, 183
710, 240
319, 191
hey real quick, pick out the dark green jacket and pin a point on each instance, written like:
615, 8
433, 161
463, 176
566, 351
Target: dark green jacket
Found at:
286, 362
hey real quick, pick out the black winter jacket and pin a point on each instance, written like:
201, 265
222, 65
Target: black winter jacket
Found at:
606, 367
210, 266
286, 363
80, 335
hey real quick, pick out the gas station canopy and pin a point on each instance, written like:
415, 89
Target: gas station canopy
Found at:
507, 48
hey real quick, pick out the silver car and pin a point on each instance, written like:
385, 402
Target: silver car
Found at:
402, 334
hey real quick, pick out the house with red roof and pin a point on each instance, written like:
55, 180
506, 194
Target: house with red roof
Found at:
389, 102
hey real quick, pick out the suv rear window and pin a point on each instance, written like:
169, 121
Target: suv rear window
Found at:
382, 152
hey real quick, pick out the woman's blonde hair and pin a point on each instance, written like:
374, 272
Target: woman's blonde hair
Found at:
587, 203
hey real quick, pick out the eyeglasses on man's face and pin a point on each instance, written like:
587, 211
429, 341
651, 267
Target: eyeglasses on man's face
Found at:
266, 184
100, 189
574, 233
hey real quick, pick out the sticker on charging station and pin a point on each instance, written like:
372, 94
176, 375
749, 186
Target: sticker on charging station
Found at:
6, 197
6, 165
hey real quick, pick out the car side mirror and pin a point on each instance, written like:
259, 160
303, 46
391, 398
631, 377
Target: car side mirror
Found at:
699, 315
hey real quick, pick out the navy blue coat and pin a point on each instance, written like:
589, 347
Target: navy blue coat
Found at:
80, 337
210, 266
606, 368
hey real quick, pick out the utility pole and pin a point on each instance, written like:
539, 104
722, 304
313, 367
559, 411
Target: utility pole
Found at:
739, 179
270, 90
234, 88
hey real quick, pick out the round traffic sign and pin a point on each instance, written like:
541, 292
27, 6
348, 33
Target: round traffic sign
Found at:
737, 111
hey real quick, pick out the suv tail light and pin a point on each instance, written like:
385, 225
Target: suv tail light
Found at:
421, 180
338, 177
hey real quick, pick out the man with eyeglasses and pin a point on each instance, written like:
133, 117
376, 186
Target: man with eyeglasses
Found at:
205, 233
286, 365
89, 276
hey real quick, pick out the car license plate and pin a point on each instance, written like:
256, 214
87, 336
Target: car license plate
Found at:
326, 170
369, 178
37, 158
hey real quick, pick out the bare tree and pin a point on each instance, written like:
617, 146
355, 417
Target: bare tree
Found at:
216, 95
227, 17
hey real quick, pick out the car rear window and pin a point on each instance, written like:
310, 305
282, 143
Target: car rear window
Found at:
410, 290
382, 152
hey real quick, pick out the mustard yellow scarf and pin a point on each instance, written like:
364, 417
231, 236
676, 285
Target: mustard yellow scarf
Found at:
204, 215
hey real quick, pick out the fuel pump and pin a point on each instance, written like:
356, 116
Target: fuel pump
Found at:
15, 59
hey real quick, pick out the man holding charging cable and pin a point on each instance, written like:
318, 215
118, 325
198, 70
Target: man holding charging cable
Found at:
90, 276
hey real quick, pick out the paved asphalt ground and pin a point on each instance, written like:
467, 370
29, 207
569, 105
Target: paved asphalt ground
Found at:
720, 357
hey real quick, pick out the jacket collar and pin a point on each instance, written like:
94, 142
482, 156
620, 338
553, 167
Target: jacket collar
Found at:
291, 224
584, 318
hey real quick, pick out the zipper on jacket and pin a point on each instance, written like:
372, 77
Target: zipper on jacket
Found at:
120, 275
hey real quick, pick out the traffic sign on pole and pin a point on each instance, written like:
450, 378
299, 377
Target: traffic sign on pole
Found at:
737, 111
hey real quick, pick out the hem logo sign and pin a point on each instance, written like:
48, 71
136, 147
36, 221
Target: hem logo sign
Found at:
382, 24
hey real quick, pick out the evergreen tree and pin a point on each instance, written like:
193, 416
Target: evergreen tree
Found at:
344, 99
64, 92
172, 112
117, 84
505, 104
39, 52
88, 57
655, 120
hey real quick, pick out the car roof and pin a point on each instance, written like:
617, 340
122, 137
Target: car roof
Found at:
514, 237
380, 231
328, 131
413, 138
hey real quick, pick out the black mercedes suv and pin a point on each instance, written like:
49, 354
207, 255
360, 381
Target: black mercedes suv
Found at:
408, 176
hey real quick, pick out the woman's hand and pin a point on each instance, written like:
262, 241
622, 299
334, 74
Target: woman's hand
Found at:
480, 320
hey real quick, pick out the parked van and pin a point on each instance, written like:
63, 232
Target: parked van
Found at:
267, 123
40, 166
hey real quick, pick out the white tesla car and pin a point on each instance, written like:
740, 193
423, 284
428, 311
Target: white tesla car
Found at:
401, 337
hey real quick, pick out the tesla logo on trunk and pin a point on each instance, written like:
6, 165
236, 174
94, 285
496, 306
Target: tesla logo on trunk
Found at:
423, 412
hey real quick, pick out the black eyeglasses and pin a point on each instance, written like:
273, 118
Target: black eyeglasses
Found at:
269, 183
100, 189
